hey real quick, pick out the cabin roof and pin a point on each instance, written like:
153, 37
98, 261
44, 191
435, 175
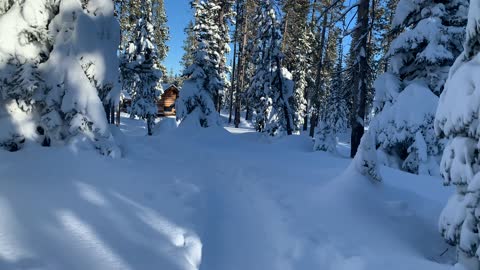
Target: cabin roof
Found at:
171, 87
124, 95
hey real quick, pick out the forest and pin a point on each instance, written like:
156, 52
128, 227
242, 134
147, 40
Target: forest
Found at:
290, 134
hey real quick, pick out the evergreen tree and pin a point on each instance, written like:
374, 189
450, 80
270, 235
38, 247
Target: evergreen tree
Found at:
360, 68
457, 120
334, 112
189, 45
197, 98
54, 79
141, 74
430, 38
223, 20
24, 86
161, 32
80, 75
248, 31
297, 48
271, 88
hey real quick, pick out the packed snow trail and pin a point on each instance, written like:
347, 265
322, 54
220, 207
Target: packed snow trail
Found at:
211, 200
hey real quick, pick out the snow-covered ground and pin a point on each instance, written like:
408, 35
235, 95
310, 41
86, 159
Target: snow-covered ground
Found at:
212, 199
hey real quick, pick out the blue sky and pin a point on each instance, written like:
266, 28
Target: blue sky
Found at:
179, 14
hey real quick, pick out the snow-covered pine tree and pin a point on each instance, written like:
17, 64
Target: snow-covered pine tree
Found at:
141, 75
196, 104
271, 88
297, 48
334, 114
86, 37
162, 32
340, 111
62, 55
457, 119
189, 45
25, 83
300, 75
223, 19
21, 85
406, 96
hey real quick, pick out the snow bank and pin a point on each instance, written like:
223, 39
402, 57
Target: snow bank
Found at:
242, 203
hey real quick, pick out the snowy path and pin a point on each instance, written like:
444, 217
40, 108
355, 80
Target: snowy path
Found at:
211, 200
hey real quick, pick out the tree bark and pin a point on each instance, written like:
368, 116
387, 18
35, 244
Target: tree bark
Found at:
118, 114
318, 78
359, 80
241, 67
234, 79
286, 111
112, 113
306, 93
150, 124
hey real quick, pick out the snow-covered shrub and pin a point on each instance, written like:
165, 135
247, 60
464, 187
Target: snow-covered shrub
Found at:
457, 119
325, 138
365, 161
430, 38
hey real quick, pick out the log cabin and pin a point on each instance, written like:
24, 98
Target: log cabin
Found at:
166, 103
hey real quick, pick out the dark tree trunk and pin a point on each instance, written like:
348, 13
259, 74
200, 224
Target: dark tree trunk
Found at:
112, 113
313, 123
360, 80
150, 124
106, 107
307, 93
315, 103
118, 115
234, 79
286, 112
305, 119
249, 112
241, 66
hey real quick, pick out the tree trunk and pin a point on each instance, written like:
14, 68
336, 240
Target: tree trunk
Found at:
306, 93
286, 111
150, 124
318, 78
313, 123
360, 81
249, 113
112, 113
241, 67
118, 114
305, 119
234, 79
106, 107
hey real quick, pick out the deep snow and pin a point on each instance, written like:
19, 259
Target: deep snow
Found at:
213, 199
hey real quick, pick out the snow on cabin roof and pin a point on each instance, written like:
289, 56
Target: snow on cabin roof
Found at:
165, 86
124, 95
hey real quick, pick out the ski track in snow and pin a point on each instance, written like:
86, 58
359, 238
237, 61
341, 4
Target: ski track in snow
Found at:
200, 200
